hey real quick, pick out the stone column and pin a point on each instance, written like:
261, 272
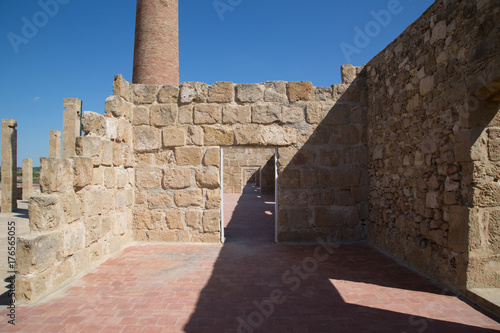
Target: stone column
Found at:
71, 125
27, 178
55, 144
156, 51
9, 165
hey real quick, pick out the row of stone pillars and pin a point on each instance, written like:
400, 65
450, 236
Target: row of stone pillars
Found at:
71, 130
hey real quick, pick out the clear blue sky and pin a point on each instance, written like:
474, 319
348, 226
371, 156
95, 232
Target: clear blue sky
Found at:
79, 47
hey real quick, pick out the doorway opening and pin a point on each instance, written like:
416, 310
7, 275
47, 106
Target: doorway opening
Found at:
249, 194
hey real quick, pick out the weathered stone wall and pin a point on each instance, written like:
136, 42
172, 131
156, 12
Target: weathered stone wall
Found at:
240, 164
84, 212
321, 138
432, 147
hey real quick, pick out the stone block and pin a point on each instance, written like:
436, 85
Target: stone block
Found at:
275, 92
434, 199
45, 212
72, 206
93, 124
320, 197
191, 156
118, 153
275, 135
124, 131
293, 198
427, 85
110, 177
146, 139
236, 114
207, 114
37, 252
458, 231
494, 144
213, 199
141, 115
168, 94
147, 177
314, 113
327, 217
292, 115
194, 218
218, 135
339, 114
187, 198
73, 238
89, 146
345, 177
122, 88
83, 169
208, 180
56, 175
176, 178
173, 137
175, 219
300, 91
304, 157
144, 94
159, 200
487, 194
186, 115
249, 93
107, 153
247, 134
117, 107
211, 221
323, 94
329, 158
289, 179
193, 92
266, 114
348, 73
111, 128
163, 114
345, 135
298, 218
221, 92
194, 135
315, 178
438, 32
212, 157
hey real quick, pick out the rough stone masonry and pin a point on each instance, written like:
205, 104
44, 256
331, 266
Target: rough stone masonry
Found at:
403, 154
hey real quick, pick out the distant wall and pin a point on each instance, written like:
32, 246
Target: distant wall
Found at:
321, 138
240, 163
433, 163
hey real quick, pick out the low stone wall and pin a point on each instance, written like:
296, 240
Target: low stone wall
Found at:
241, 164
432, 145
321, 138
84, 211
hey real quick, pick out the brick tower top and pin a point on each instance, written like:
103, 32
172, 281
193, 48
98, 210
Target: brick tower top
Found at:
156, 51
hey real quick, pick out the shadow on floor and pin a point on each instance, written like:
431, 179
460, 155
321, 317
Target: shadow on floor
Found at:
257, 286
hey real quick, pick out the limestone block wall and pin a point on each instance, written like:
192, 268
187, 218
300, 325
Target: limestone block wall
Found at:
84, 211
432, 145
321, 138
242, 163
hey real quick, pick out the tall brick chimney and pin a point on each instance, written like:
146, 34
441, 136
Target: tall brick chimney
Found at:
156, 51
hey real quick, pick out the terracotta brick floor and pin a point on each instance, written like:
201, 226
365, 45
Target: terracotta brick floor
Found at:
250, 285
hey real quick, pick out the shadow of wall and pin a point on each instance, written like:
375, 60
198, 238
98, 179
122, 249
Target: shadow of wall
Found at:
323, 186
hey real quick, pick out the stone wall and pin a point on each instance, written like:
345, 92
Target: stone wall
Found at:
321, 138
84, 211
433, 145
243, 164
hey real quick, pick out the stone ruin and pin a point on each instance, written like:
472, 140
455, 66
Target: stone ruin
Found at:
404, 154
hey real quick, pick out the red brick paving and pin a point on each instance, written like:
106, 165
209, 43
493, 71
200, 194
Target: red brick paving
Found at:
215, 288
